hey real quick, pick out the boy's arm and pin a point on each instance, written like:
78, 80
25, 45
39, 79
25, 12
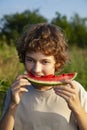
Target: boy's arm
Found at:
7, 122
12, 101
81, 116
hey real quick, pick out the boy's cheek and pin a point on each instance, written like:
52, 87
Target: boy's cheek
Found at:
50, 70
27, 67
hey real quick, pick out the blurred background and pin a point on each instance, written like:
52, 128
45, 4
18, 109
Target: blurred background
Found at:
16, 15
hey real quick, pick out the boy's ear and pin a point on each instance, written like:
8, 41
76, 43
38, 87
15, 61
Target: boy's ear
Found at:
57, 65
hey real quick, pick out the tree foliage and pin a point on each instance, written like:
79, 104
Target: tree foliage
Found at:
79, 31
75, 28
13, 26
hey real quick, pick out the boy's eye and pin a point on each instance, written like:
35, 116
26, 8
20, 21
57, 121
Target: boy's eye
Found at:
29, 60
45, 62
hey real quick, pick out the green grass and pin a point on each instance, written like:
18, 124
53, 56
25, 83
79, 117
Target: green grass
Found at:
10, 67
9, 63
78, 64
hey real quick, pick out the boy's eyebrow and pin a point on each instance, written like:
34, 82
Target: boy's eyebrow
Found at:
29, 57
41, 59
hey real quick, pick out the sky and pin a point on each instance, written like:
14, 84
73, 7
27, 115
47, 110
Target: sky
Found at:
47, 8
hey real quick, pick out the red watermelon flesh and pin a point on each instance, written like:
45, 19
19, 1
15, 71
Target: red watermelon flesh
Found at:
49, 80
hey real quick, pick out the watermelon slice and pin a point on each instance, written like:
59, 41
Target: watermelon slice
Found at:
51, 79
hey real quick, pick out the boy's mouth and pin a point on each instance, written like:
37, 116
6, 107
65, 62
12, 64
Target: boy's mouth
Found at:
36, 75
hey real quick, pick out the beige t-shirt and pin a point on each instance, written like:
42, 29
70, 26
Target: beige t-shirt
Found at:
46, 111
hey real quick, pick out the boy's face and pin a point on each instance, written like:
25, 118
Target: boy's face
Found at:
39, 64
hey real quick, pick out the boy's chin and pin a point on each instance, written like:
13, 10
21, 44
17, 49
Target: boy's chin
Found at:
41, 87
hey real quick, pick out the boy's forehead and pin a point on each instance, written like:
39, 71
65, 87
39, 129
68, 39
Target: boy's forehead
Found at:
38, 55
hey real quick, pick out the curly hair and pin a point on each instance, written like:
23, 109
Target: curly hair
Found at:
46, 38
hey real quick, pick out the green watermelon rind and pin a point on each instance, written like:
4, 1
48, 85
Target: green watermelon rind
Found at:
49, 83
75, 75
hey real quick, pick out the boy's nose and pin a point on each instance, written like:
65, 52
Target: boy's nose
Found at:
37, 68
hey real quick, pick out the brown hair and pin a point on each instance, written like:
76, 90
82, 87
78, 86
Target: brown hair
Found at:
46, 38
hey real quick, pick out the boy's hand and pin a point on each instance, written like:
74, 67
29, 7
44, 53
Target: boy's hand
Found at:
18, 88
70, 93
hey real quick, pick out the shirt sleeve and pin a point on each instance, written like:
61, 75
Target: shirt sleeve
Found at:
82, 95
6, 103
83, 98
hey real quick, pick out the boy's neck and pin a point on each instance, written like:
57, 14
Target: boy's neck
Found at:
43, 88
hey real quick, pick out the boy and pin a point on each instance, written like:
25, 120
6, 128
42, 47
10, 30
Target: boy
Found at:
43, 51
